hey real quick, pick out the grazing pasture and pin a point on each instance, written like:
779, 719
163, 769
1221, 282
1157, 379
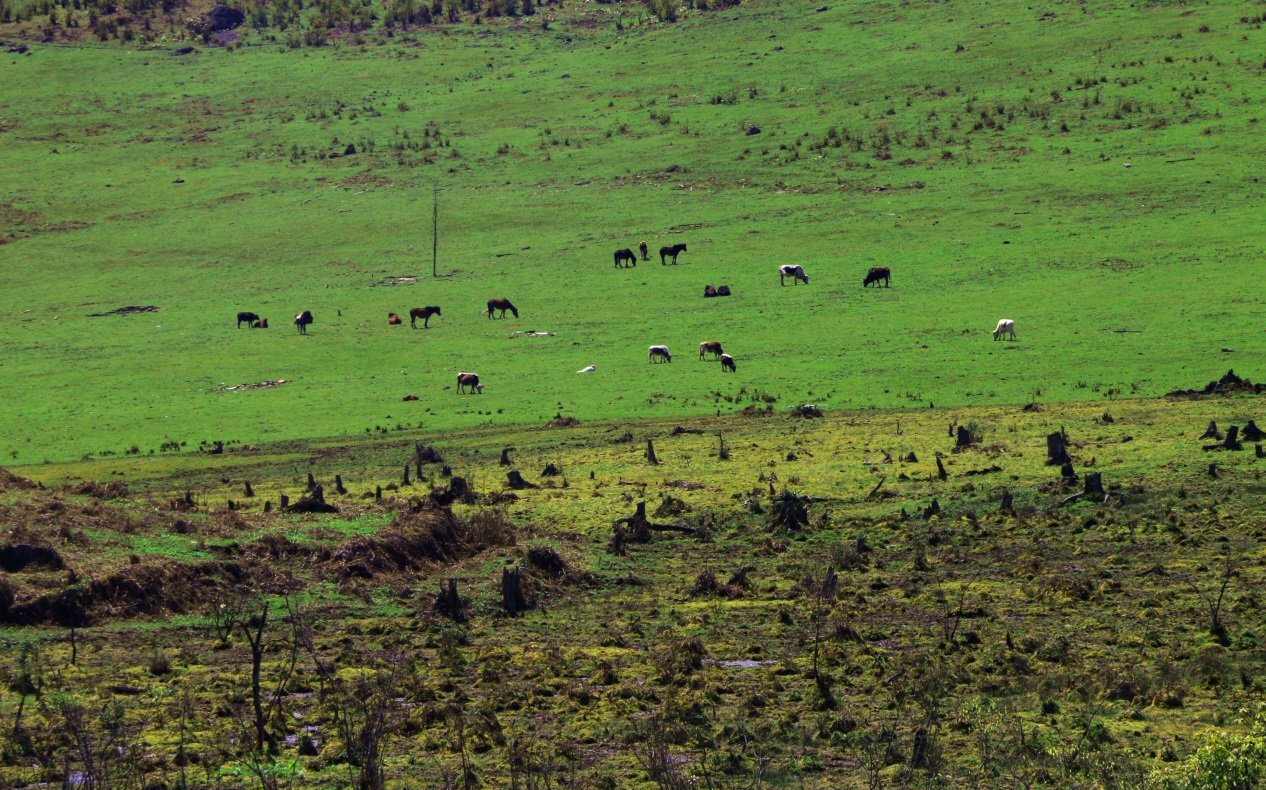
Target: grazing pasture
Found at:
991, 175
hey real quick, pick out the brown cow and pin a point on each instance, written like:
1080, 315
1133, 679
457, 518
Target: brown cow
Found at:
469, 380
712, 347
425, 314
393, 319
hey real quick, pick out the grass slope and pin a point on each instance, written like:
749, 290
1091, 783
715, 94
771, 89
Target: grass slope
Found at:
879, 144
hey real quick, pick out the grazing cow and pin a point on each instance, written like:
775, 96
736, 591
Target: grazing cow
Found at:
642, 248
659, 353
625, 255
471, 381
876, 274
671, 251
260, 324
302, 320
1005, 327
712, 347
502, 305
727, 363
794, 271
393, 319
247, 316
424, 313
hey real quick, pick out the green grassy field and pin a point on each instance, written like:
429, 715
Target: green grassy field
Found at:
1089, 171
879, 145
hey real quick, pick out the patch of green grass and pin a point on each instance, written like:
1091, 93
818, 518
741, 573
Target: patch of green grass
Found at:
879, 144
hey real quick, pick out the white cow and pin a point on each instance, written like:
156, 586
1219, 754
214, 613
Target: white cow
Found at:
794, 271
659, 353
1005, 327
587, 369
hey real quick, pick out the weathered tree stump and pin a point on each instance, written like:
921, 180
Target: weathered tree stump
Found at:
232, 505
189, 499
1006, 506
1213, 471
377, 493
512, 599
314, 502
505, 456
650, 453
449, 604
446, 471
921, 754
551, 470
963, 437
1258, 451
338, 485
285, 501
427, 454
616, 544
515, 480
638, 528
940, 469
247, 490
789, 512
268, 506
1212, 432
933, 509
1066, 472
1252, 433
911, 457
1230, 442
1057, 449
457, 491
404, 480
311, 482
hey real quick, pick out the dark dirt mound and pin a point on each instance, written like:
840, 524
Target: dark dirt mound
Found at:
115, 489
21, 556
132, 308
223, 17
418, 538
1230, 384
135, 590
560, 421
12, 482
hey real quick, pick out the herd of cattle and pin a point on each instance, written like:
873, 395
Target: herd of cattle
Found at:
467, 381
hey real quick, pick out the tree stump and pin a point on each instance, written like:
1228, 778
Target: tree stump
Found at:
650, 453
1093, 485
378, 493
446, 471
232, 505
921, 755
637, 527
1006, 506
189, 498
789, 512
505, 456
1252, 433
427, 454
338, 485
247, 490
457, 491
285, 501
311, 482
268, 506
933, 509
1212, 432
516, 481
551, 470
449, 604
1213, 471
1230, 442
1056, 449
1257, 450
1066, 472
616, 544
963, 437
314, 502
405, 481
512, 598
940, 469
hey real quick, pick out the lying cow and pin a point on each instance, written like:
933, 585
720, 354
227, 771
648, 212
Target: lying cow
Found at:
393, 319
